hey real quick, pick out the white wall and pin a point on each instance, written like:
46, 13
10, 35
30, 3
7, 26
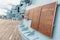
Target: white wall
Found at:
37, 3
56, 35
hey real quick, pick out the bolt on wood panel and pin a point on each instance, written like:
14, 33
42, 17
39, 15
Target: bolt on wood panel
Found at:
47, 19
35, 19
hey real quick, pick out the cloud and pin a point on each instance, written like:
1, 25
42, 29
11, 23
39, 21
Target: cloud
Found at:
3, 12
5, 4
14, 2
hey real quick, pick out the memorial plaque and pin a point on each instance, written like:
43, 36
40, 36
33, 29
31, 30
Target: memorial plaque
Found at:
43, 18
47, 19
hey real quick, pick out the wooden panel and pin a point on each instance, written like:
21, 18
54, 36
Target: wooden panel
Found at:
47, 19
35, 20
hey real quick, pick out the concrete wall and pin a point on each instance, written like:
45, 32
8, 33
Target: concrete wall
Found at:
56, 34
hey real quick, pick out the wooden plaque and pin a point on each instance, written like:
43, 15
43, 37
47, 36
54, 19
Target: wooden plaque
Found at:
47, 19
43, 18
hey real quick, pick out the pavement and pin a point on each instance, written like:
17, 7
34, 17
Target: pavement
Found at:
9, 30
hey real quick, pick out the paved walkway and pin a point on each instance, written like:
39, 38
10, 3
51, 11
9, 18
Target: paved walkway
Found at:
9, 30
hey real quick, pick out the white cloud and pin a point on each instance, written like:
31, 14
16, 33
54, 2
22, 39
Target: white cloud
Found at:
14, 2
5, 4
3, 12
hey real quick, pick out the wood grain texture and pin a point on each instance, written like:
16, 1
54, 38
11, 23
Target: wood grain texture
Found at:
9, 30
47, 19
35, 19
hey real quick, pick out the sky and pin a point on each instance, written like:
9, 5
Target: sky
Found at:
7, 4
